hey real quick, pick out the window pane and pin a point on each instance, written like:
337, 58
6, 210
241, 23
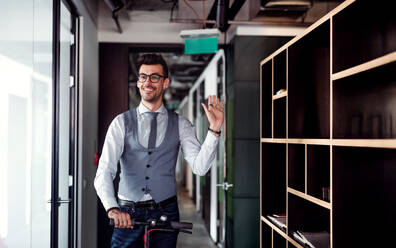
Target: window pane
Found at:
25, 126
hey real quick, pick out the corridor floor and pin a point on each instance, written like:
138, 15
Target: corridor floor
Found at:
200, 236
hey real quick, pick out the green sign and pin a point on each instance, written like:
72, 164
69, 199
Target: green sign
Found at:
200, 45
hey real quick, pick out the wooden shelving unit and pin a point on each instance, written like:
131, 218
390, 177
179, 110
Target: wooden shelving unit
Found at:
328, 140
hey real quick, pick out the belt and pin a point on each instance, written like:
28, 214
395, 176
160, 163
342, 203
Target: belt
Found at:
151, 204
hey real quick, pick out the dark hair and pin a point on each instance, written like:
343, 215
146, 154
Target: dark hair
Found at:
153, 59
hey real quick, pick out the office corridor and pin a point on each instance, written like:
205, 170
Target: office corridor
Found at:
200, 237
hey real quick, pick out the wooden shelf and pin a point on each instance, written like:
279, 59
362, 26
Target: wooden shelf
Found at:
271, 140
281, 95
374, 143
333, 130
283, 234
309, 141
357, 39
364, 194
325, 18
266, 100
309, 198
386, 59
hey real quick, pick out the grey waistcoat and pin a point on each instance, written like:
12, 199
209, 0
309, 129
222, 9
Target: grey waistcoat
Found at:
149, 170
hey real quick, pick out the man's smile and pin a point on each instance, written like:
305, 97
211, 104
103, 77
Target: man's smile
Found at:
148, 89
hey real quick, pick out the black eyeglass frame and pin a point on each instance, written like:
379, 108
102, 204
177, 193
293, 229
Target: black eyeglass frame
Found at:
151, 77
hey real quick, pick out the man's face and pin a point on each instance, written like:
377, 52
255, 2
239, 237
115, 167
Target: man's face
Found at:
152, 83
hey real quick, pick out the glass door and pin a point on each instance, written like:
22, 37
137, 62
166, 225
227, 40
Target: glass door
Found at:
63, 197
26, 108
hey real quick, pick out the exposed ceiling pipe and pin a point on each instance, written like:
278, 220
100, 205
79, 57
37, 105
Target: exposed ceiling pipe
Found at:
115, 6
231, 22
222, 14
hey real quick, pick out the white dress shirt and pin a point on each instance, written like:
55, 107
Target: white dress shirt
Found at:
199, 158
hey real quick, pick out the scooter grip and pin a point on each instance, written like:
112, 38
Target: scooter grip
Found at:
181, 225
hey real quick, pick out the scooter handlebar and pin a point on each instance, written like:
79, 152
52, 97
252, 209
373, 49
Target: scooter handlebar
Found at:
181, 225
172, 224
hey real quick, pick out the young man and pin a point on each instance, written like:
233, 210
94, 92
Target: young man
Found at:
146, 142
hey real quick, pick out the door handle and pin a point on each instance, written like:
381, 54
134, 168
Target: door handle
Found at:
225, 185
60, 201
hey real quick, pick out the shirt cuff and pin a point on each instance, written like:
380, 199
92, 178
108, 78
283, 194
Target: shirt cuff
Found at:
110, 204
211, 139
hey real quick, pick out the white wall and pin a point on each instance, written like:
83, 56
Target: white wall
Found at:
88, 125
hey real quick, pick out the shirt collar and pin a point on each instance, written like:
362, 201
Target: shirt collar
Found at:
143, 109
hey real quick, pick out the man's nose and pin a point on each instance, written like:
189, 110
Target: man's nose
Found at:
148, 81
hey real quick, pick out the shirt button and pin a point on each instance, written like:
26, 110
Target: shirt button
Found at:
147, 178
148, 166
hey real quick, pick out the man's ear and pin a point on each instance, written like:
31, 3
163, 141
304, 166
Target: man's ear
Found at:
166, 83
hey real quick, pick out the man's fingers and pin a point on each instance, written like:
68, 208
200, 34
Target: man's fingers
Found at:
214, 104
204, 107
124, 220
129, 221
116, 222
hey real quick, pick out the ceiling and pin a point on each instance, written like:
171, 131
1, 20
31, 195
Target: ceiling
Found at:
185, 69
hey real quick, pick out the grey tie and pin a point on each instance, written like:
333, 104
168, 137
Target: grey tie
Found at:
153, 130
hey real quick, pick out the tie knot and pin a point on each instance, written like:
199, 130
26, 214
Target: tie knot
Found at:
152, 115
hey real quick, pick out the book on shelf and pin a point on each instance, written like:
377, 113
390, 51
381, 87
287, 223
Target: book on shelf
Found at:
278, 221
313, 239
279, 215
326, 193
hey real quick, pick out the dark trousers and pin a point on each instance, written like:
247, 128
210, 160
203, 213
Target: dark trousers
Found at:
133, 238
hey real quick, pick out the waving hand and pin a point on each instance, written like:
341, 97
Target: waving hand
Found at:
214, 112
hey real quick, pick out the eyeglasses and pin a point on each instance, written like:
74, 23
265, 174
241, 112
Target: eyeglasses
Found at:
154, 78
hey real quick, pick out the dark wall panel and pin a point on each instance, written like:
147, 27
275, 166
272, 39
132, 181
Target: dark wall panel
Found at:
113, 84
246, 223
113, 100
247, 117
246, 173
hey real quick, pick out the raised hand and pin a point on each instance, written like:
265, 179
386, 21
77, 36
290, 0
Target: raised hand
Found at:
214, 112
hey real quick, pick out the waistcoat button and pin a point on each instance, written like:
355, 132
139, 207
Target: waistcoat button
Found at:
147, 178
149, 153
142, 189
148, 166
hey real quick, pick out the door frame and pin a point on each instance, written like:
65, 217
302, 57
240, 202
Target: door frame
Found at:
55, 201
211, 90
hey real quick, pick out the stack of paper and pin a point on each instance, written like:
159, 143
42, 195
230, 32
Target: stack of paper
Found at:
313, 239
279, 221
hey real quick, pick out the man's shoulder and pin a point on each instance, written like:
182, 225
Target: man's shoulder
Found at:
184, 121
125, 113
120, 118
